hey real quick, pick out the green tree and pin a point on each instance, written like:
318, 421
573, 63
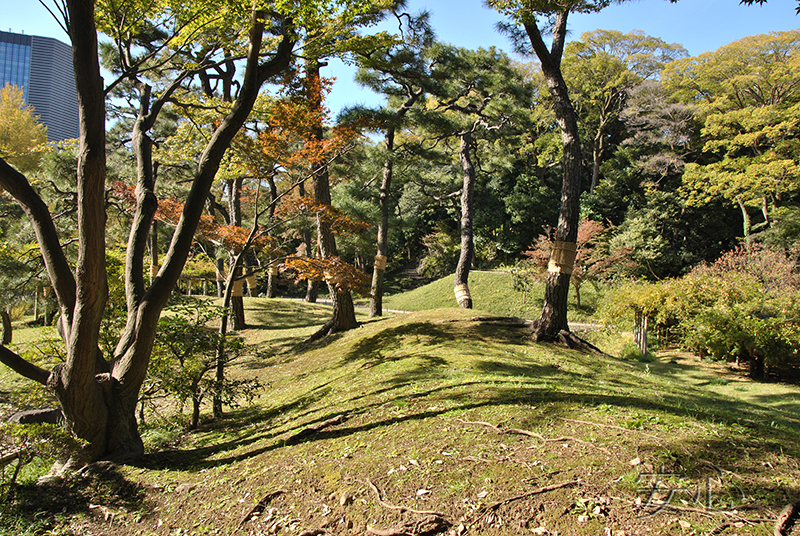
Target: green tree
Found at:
98, 393
23, 140
526, 25
399, 71
748, 97
601, 69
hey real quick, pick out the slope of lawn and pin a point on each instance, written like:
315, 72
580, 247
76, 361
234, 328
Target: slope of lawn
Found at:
436, 420
492, 292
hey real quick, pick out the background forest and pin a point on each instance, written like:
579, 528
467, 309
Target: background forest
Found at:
684, 159
209, 163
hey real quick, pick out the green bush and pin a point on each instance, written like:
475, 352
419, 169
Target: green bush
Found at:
186, 350
742, 307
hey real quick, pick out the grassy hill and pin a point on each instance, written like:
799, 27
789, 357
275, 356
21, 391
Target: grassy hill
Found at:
434, 417
491, 292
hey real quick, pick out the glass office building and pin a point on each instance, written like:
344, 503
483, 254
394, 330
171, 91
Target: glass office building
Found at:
42, 67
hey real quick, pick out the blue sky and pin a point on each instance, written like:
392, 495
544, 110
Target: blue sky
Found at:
699, 25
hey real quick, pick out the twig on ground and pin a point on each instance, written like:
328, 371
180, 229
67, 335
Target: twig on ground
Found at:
260, 505
377, 493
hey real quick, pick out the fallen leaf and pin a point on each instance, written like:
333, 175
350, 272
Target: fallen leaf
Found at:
684, 524
635, 461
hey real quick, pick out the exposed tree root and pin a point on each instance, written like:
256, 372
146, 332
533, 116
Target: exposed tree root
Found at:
426, 526
539, 491
507, 321
788, 519
377, 493
574, 342
313, 532
528, 433
315, 428
259, 507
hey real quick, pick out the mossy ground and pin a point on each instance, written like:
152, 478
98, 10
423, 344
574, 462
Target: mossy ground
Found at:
440, 412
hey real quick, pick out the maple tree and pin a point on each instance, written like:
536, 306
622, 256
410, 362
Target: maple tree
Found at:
98, 393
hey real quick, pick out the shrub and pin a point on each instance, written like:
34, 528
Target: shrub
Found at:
742, 307
186, 349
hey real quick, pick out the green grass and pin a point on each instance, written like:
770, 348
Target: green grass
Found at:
493, 293
418, 395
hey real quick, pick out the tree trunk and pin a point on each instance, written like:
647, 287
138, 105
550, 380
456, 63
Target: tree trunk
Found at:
467, 244
272, 282
554, 312
235, 211
312, 287
5, 319
344, 317
746, 222
379, 268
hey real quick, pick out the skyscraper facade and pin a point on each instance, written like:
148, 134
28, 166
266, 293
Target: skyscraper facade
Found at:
42, 67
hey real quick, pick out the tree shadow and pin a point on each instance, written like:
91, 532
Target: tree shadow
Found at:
99, 489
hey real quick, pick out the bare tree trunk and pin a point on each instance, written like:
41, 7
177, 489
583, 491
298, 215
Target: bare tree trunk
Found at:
235, 211
554, 312
379, 268
467, 215
344, 317
5, 320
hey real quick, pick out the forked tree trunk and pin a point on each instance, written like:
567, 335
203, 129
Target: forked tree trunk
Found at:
467, 215
554, 312
99, 398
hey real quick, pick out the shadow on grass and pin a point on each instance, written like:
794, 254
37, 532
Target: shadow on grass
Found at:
38, 508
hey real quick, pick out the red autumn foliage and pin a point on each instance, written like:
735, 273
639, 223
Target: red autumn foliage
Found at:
334, 271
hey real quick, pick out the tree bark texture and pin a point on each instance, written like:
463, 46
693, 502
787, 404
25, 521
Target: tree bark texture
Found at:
379, 268
467, 216
99, 397
344, 316
235, 211
554, 312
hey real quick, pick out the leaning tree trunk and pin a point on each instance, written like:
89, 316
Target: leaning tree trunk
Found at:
562, 257
467, 214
